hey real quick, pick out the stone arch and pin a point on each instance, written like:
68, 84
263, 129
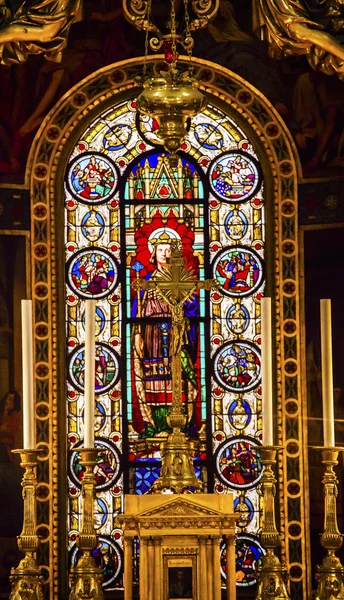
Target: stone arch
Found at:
44, 175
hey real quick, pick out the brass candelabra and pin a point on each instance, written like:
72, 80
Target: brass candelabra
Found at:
272, 575
86, 577
26, 579
330, 573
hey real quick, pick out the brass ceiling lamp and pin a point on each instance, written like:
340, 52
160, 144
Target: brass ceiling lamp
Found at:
173, 97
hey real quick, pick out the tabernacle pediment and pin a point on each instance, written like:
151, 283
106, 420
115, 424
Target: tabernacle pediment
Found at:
180, 507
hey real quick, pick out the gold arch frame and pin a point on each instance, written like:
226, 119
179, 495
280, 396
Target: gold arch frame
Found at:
44, 175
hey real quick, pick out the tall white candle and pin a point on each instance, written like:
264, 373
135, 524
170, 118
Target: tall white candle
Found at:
326, 370
267, 405
27, 356
90, 339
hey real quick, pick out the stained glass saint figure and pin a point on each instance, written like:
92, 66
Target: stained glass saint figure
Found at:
152, 344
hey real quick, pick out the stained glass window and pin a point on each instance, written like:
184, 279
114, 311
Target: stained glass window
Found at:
126, 199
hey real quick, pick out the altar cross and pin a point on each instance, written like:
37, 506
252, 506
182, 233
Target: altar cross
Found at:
176, 284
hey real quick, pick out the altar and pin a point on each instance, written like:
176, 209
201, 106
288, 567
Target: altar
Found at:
180, 537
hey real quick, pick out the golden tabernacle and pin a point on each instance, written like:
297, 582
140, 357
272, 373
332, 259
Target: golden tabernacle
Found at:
180, 539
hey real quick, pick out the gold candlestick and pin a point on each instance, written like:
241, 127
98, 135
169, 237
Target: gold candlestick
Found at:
272, 575
86, 577
330, 573
26, 579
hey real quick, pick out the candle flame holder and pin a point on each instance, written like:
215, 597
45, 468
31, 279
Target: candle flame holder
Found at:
272, 575
26, 579
86, 577
330, 574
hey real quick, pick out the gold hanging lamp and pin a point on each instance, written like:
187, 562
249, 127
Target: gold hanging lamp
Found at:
172, 98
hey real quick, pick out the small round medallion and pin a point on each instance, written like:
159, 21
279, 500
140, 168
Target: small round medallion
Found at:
237, 366
107, 467
106, 368
235, 176
239, 271
92, 178
238, 464
92, 273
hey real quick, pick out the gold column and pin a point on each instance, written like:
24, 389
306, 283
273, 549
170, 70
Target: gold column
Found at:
86, 577
210, 572
143, 568
215, 545
202, 568
128, 568
157, 567
272, 575
26, 579
230, 567
330, 574
150, 573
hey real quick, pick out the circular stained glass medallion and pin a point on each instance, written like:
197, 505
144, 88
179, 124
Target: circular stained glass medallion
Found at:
106, 368
99, 417
92, 226
237, 318
92, 273
100, 320
117, 136
237, 366
235, 176
239, 271
107, 469
236, 225
239, 413
208, 136
92, 178
244, 508
238, 464
249, 554
108, 555
101, 513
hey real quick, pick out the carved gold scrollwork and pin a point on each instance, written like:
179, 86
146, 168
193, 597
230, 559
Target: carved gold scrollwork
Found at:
205, 7
138, 7
138, 12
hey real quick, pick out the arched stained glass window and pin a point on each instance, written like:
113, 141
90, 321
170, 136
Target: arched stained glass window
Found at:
125, 201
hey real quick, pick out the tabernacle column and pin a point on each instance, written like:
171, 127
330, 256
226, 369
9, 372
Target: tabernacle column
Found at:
202, 568
210, 572
143, 569
128, 568
157, 567
215, 542
150, 572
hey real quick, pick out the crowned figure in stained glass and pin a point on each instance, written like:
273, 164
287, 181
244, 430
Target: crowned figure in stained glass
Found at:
152, 342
